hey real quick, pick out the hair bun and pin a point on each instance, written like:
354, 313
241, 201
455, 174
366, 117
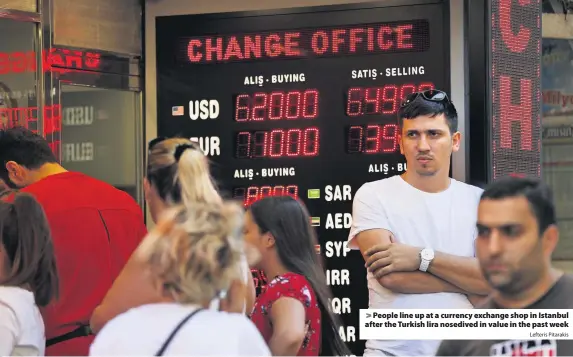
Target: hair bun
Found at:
180, 150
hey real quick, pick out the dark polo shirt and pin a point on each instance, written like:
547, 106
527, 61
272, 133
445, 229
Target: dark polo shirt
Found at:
560, 296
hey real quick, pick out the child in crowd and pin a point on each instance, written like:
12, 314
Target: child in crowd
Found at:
28, 275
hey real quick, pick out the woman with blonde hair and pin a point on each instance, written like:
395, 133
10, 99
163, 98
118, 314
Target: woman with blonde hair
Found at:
191, 256
177, 174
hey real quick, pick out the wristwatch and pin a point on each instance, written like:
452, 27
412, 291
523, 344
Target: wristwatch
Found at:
426, 257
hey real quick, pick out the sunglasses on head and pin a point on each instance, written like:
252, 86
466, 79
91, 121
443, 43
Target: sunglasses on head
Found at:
431, 95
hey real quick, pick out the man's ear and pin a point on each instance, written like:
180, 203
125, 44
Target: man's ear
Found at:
16, 172
456, 141
550, 238
12, 167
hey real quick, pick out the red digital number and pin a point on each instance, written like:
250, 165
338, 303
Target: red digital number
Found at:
293, 142
242, 109
373, 139
259, 107
355, 140
243, 144
380, 100
252, 194
277, 105
278, 143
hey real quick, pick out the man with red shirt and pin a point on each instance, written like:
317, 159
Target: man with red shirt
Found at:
95, 228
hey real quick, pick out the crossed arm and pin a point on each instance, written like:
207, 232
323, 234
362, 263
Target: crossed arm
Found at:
395, 265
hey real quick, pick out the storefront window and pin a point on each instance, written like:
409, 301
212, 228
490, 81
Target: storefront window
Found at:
18, 101
99, 135
557, 136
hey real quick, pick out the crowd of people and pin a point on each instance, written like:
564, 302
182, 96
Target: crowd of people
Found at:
81, 275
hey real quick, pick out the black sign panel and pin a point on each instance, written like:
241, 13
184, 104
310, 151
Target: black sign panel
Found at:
302, 104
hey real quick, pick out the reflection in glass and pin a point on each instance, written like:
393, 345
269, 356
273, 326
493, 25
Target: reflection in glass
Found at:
18, 102
99, 134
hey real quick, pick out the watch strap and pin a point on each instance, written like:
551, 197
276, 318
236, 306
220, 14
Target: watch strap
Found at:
424, 265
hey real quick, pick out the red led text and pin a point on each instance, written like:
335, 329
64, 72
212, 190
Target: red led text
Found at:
28, 118
376, 38
277, 106
373, 139
380, 100
20, 62
516, 94
278, 143
254, 193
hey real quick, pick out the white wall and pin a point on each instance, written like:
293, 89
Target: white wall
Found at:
557, 26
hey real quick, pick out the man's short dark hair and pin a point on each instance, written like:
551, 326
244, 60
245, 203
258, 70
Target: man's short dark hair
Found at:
25, 148
421, 106
538, 194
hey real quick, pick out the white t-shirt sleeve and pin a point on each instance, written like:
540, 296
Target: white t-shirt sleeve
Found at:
9, 330
478, 192
367, 213
102, 339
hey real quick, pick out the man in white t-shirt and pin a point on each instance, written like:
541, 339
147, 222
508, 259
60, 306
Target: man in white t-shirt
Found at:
416, 231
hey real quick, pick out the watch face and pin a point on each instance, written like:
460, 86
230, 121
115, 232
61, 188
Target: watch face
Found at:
427, 254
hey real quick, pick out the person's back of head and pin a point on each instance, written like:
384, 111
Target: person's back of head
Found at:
194, 253
27, 251
22, 152
178, 173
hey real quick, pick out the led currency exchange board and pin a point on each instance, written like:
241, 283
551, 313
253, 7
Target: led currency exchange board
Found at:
302, 102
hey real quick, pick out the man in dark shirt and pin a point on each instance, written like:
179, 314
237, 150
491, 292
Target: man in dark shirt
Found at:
517, 233
95, 228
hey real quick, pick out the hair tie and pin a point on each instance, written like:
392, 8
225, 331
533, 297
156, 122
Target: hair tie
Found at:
180, 149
